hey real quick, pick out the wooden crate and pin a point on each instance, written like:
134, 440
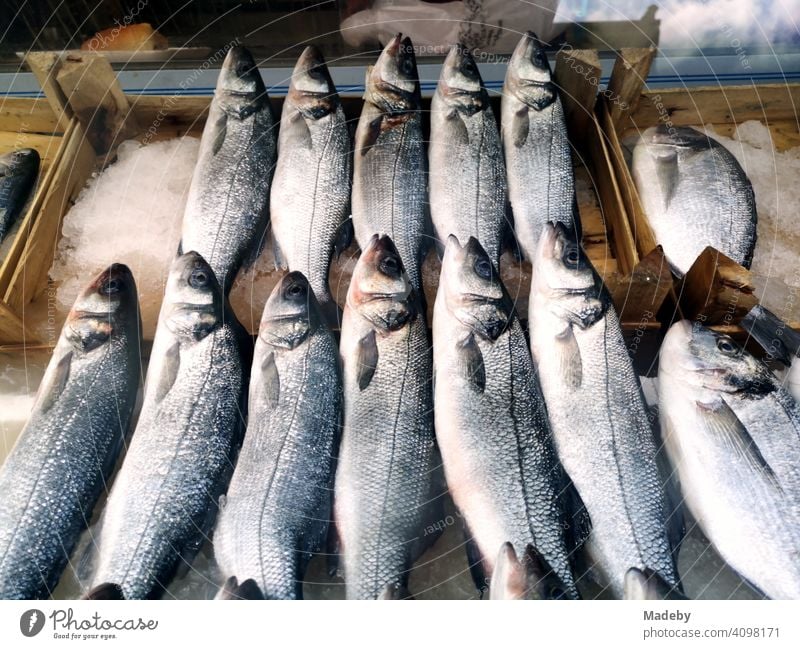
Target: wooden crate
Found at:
716, 290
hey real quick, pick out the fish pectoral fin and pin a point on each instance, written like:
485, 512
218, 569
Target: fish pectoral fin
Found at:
520, 126
221, 130
470, 363
105, 591
270, 380
232, 589
667, 174
170, 367
373, 132
344, 236
722, 420
180, 249
55, 382
569, 357
280, 260
458, 133
367, 360
300, 133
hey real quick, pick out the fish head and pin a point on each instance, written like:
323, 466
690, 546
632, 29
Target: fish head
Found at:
240, 88
460, 82
311, 89
106, 306
474, 293
193, 301
393, 82
528, 76
380, 289
565, 280
291, 313
700, 357
19, 161
676, 138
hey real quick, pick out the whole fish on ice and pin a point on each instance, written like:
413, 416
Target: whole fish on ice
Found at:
18, 172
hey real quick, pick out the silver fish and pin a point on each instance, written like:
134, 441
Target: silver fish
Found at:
507, 483
390, 168
468, 177
779, 340
311, 190
62, 459
695, 194
164, 497
732, 434
278, 505
541, 184
648, 585
384, 480
18, 172
598, 414
227, 209
528, 578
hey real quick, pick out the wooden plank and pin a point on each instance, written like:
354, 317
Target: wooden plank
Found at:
12, 329
577, 75
45, 67
28, 115
639, 296
627, 80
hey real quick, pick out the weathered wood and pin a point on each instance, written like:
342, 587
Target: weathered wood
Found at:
45, 67
96, 98
577, 75
627, 80
639, 296
12, 329
28, 115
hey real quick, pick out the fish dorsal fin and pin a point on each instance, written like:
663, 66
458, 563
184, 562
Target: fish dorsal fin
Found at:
170, 366
470, 363
55, 382
367, 360
569, 357
667, 172
271, 380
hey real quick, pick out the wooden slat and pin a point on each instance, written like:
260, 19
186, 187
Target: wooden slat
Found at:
627, 80
45, 67
12, 329
577, 75
28, 115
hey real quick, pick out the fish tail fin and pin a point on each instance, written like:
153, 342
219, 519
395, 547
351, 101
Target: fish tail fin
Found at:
232, 589
528, 578
106, 590
648, 584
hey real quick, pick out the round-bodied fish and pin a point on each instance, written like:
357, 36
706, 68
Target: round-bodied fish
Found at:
277, 508
18, 172
59, 466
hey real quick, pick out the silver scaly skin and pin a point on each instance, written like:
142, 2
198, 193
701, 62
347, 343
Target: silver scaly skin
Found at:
388, 458
491, 423
695, 194
541, 184
18, 172
227, 209
597, 413
311, 189
58, 468
468, 176
278, 505
732, 434
164, 498
390, 168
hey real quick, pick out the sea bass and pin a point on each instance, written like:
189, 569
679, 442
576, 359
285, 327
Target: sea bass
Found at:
388, 458
695, 194
278, 505
18, 172
390, 168
311, 190
541, 184
164, 497
62, 459
598, 413
227, 209
491, 423
732, 434
468, 180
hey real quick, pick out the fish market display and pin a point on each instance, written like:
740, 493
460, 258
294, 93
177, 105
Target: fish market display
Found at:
227, 209
278, 505
51, 480
164, 497
541, 184
528, 577
491, 422
18, 172
731, 433
384, 481
311, 189
647, 584
598, 414
468, 176
695, 194
390, 168
779, 340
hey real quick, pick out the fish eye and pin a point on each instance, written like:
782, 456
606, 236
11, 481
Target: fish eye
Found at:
539, 58
198, 278
242, 68
469, 66
294, 290
572, 256
111, 286
483, 267
407, 66
390, 265
726, 346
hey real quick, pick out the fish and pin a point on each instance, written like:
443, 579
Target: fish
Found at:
529, 578
63, 458
390, 167
278, 505
695, 194
310, 200
779, 340
541, 183
648, 585
164, 499
18, 172
732, 435
386, 476
598, 414
227, 207
491, 423
468, 190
